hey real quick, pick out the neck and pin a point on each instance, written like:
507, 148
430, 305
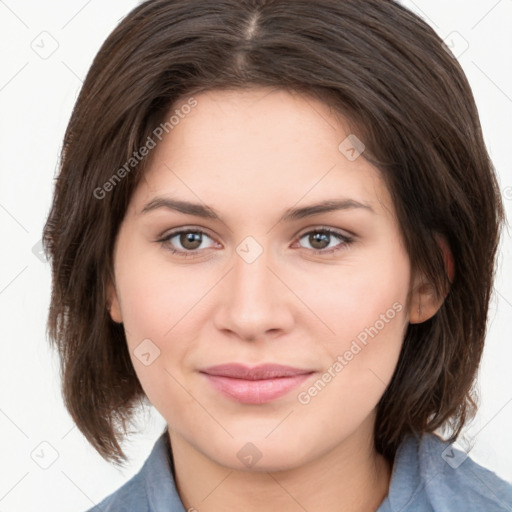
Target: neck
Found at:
351, 476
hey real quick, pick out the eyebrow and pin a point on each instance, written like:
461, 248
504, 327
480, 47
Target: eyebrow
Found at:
200, 210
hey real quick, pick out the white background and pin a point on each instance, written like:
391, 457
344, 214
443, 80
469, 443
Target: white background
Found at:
36, 98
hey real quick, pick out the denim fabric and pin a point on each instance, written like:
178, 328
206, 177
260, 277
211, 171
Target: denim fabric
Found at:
428, 476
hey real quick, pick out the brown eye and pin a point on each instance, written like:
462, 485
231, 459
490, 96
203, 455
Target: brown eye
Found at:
186, 242
325, 241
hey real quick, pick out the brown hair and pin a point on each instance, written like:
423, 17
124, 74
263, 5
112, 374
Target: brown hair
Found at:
407, 99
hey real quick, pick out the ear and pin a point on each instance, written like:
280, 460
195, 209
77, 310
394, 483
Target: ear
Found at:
113, 304
424, 302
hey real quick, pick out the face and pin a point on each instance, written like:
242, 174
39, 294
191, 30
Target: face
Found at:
254, 275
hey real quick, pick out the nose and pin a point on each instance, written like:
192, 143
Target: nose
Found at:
253, 302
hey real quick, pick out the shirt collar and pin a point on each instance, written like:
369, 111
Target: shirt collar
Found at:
158, 478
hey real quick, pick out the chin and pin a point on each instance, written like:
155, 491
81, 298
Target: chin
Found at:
256, 454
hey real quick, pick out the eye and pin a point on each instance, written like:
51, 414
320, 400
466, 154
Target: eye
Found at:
321, 240
188, 241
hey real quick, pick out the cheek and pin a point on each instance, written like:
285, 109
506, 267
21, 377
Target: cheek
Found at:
161, 306
358, 366
144, 301
364, 307
158, 339
155, 298
357, 298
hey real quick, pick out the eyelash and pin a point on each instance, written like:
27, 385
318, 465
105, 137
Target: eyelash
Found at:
346, 241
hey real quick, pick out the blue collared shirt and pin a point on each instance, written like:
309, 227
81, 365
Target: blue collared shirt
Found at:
428, 475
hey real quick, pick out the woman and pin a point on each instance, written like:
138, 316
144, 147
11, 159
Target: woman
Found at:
276, 222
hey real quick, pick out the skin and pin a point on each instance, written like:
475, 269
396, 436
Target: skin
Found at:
250, 155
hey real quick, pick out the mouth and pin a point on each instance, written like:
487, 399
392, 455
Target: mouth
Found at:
255, 385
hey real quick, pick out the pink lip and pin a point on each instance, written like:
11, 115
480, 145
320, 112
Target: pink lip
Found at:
256, 385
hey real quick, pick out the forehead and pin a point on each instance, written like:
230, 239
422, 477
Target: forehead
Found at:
261, 147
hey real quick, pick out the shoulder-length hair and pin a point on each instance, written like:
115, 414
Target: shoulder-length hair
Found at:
406, 97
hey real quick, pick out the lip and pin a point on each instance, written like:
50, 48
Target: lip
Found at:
255, 385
